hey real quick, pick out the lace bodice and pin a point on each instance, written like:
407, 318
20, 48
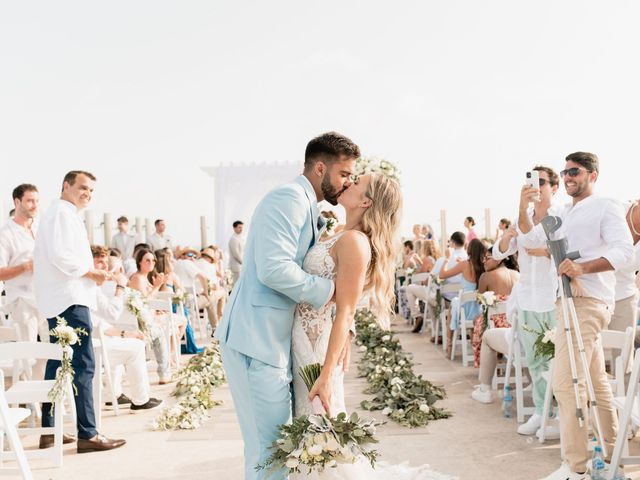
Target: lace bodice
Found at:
312, 328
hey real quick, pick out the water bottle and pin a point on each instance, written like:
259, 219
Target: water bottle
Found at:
506, 402
597, 464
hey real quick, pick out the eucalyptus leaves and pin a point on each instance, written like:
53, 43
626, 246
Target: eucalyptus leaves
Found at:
66, 336
402, 395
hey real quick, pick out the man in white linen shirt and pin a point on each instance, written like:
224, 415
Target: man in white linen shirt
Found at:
535, 292
596, 228
123, 240
65, 286
17, 240
625, 313
458, 254
236, 250
159, 239
217, 293
125, 348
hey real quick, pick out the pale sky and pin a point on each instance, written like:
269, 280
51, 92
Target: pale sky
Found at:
464, 95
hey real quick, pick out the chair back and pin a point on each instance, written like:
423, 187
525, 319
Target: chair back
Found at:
30, 350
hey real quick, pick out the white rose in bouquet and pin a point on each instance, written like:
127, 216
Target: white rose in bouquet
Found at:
292, 462
489, 298
386, 338
549, 336
315, 450
424, 408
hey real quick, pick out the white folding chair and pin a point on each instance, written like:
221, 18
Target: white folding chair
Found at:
464, 324
621, 343
630, 407
36, 391
9, 419
102, 366
441, 323
192, 307
170, 329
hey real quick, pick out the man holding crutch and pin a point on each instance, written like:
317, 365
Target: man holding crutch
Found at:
596, 229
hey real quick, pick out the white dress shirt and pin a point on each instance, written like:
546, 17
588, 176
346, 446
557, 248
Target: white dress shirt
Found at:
187, 271
457, 255
236, 252
596, 228
626, 276
16, 248
61, 258
108, 309
158, 242
209, 270
125, 242
537, 288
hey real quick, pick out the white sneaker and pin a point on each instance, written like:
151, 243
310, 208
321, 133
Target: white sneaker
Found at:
551, 432
565, 473
531, 426
482, 395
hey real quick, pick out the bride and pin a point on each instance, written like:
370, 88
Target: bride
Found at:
360, 259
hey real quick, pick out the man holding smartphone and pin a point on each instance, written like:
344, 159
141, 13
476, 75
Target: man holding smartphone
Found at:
535, 292
596, 228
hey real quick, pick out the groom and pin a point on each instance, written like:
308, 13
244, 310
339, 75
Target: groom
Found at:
255, 331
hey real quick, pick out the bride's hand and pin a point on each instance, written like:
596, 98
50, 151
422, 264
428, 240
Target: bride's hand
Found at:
322, 389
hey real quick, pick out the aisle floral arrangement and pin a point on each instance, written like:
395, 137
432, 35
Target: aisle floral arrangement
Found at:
314, 442
544, 347
137, 306
403, 396
195, 383
65, 336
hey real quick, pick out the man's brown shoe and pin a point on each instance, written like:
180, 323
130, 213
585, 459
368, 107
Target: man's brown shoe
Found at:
418, 326
98, 443
46, 441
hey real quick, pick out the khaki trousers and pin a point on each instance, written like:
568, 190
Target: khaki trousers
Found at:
593, 317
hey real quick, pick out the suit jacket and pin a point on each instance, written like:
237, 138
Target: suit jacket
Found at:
236, 252
125, 242
258, 319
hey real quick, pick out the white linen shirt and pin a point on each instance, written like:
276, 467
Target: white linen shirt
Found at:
16, 248
61, 258
108, 309
626, 276
209, 270
158, 242
537, 288
596, 228
187, 272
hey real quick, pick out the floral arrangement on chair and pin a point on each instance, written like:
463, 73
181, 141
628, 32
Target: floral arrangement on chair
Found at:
66, 336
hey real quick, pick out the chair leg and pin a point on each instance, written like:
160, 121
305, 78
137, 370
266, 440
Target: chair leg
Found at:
519, 388
547, 405
16, 446
57, 435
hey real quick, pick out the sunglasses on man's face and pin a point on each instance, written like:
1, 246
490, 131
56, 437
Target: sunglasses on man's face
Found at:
572, 172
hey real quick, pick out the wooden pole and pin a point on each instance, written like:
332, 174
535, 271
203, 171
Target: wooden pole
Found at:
203, 232
107, 229
88, 223
443, 230
487, 223
148, 230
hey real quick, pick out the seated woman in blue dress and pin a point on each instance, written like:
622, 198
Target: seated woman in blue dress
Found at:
471, 269
164, 265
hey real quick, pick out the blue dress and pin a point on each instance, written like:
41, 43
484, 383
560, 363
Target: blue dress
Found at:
191, 346
471, 309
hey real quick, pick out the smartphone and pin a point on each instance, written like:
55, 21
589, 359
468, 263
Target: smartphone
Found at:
533, 180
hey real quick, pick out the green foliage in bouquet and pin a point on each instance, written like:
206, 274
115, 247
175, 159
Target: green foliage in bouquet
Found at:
544, 346
405, 397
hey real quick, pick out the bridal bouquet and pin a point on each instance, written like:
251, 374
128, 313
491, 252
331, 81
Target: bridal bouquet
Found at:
66, 336
544, 347
318, 441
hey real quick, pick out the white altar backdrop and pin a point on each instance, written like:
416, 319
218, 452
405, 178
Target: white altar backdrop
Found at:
239, 188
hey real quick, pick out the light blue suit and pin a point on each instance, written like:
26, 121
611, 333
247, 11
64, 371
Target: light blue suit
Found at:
255, 331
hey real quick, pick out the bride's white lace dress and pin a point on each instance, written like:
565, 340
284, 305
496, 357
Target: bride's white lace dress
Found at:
310, 340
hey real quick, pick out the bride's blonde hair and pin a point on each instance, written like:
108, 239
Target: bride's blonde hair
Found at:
381, 223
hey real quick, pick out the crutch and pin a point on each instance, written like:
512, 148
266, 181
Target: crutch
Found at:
558, 249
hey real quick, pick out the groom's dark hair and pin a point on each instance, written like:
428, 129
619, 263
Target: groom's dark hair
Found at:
328, 147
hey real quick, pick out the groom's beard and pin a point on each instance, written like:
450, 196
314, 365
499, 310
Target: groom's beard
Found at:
330, 193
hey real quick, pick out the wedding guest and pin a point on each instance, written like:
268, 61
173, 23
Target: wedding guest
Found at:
470, 270
410, 258
503, 225
17, 240
159, 239
595, 227
190, 274
208, 263
625, 312
126, 348
65, 286
236, 250
130, 264
415, 292
123, 240
458, 252
417, 233
165, 265
499, 277
469, 223
145, 264
427, 232
535, 293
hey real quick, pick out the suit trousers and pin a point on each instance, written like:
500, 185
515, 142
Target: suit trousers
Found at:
83, 362
262, 397
593, 317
